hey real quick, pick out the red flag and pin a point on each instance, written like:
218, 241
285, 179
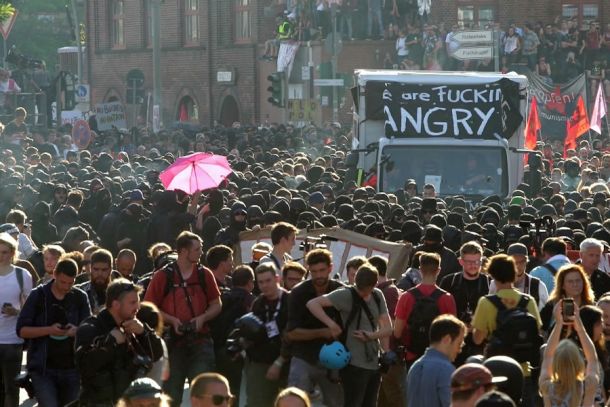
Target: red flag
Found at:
532, 127
576, 126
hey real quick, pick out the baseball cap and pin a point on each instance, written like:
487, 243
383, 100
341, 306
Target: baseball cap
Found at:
517, 200
471, 376
143, 388
517, 249
9, 228
495, 399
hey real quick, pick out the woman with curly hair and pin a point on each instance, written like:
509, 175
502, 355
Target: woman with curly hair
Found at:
570, 282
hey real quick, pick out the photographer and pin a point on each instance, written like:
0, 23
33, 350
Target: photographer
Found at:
114, 347
188, 297
366, 324
49, 318
265, 372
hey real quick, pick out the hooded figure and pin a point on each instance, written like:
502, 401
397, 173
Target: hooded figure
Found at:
43, 231
433, 243
229, 236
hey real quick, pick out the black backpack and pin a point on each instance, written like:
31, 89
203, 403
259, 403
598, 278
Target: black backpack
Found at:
358, 305
233, 307
423, 313
516, 333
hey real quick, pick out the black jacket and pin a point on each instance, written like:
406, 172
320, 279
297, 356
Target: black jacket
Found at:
106, 368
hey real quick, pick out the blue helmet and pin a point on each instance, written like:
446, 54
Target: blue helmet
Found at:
334, 356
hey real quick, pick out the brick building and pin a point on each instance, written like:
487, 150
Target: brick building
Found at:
209, 65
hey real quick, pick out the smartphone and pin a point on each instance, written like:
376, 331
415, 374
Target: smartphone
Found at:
568, 308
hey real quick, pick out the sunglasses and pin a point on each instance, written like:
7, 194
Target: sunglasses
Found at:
218, 399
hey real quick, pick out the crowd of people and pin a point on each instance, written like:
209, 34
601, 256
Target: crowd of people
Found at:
557, 50
120, 291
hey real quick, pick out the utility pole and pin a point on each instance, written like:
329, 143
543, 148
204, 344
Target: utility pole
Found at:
79, 45
155, 8
333, 16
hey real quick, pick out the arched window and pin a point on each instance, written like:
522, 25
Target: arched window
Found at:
188, 111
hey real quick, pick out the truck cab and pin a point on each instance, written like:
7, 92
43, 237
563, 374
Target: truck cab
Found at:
459, 131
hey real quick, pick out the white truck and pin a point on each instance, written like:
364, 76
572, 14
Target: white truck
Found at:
459, 131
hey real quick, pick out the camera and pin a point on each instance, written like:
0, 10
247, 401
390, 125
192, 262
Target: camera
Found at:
466, 317
188, 328
143, 365
389, 359
20, 60
311, 243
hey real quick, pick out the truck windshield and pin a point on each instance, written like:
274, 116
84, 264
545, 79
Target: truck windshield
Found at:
472, 171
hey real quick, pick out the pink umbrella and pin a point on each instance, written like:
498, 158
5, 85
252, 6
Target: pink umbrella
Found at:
196, 172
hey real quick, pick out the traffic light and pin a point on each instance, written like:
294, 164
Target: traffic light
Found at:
276, 89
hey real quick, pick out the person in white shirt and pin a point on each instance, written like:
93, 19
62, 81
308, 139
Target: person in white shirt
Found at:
15, 286
26, 245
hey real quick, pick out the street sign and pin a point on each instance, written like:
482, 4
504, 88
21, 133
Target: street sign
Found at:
7, 25
474, 53
81, 93
473, 37
81, 134
328, 82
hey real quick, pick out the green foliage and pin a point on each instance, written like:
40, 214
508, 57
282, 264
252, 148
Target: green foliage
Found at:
41, 28
6, 10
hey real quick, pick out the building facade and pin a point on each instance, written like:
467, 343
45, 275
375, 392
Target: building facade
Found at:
210, 66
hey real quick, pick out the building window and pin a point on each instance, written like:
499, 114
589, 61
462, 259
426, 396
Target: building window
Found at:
118, 24
191, 22
475, 16
147, 24
243, 21
584, 11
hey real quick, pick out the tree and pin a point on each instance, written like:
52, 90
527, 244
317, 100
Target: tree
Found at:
6, 10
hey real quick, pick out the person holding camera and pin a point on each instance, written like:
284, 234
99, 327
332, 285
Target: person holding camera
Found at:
49, 319
367, 329
188, 297
15, 285
266, 371
113, 348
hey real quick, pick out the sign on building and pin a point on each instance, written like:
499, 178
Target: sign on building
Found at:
109, 115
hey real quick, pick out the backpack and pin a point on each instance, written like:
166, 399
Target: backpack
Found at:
22, 296
516, 333
550, 268
233, 307
423, 313
358, 305
170, 285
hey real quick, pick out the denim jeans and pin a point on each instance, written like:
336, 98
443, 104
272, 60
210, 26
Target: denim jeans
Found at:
56, 387
10, 366
374, 15
305, 376
187, 359
360, 386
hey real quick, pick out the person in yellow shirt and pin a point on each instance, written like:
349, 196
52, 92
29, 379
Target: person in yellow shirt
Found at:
501, 306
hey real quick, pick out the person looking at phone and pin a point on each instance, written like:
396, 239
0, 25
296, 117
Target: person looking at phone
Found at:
15, 285
570, 282
49, 318
563, 363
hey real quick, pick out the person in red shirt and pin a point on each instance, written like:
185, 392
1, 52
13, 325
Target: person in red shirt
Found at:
430, 267
187, 302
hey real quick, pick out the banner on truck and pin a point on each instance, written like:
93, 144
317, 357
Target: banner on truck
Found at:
556, 103
461, 111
